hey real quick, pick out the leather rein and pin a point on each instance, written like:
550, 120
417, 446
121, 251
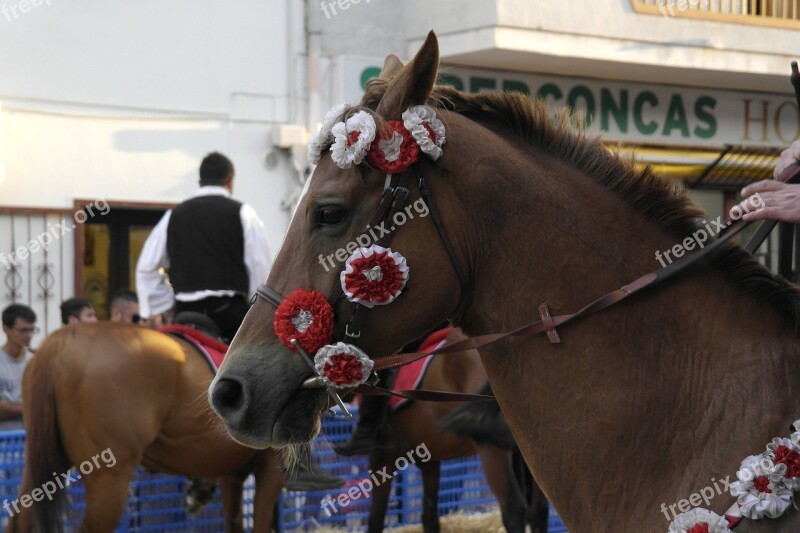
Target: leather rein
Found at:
393, 199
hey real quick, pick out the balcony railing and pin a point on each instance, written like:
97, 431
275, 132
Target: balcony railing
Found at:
773, 13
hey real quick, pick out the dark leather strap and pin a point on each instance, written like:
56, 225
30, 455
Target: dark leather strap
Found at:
427, 197
648, 280
424, 395
270, 294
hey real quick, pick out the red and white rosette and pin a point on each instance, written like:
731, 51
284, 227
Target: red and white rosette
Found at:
759, 490
699, 520
342, 365
426, 129
323, 138
352, 139
374, 276
395, 150
306, 316
784, 454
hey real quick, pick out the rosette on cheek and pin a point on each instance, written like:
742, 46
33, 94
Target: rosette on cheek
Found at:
343, 365
395, 150
306, 316
374, 276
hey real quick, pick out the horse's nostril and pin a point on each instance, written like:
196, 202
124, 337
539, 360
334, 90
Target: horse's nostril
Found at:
229, 396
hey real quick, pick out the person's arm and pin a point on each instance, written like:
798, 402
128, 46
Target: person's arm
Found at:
257, 251
773, 199
10, 410
155, 294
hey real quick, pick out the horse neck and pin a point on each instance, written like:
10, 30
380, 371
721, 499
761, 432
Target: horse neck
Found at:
643, 403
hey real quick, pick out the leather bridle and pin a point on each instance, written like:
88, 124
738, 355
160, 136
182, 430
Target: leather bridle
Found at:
393, 200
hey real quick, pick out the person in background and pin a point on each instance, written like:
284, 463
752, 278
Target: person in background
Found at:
216, 252
215, 249
77, 310
19, 325
780, 200
124, 307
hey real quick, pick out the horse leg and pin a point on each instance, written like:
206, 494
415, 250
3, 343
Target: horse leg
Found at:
497, 467
538, 515
379, 461
106, 495
430, 492
269, 482
231, 488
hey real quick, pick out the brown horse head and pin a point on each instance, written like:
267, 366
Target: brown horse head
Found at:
673, 386
258, 391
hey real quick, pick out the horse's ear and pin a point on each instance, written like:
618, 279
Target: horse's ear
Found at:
414, 83
391, 66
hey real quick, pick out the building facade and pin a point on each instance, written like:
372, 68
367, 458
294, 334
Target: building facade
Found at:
108, 108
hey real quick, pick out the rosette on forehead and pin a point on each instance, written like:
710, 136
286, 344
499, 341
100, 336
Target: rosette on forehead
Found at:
389, 145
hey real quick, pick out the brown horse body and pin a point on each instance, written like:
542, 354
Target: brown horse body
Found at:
417, 423
139, 394
639, 406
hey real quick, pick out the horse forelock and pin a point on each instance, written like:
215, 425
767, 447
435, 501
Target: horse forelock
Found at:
664, 202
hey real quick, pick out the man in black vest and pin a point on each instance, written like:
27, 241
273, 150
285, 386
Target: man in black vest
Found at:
217, 252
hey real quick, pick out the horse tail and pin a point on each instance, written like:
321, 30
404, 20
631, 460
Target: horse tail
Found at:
483, 422
45, 457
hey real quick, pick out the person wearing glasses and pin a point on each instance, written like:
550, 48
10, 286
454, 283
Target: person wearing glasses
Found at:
19, 325
124, 307
77, 310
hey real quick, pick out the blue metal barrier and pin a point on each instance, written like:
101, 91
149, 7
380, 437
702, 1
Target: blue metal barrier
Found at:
154, 503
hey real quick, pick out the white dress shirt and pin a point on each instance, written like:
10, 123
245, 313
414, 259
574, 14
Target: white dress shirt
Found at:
152, 283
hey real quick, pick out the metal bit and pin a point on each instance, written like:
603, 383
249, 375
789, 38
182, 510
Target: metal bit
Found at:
318, 382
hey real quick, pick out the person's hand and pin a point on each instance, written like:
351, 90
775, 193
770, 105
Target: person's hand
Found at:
788, 156
769, 199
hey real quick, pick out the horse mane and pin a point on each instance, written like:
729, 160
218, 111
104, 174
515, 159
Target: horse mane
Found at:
664, 202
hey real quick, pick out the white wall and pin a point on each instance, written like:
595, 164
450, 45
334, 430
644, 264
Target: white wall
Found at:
121, 100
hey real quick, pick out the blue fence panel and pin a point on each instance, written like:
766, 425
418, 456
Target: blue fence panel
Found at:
155, 500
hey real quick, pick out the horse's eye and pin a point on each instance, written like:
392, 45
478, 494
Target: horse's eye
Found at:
330, 216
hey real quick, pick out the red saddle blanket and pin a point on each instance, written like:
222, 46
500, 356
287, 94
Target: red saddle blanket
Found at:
410, 376
211, 349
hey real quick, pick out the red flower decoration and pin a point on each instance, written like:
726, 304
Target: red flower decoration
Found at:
701, 527
386, 156
374, 276
342, 369
761, 483
789, 457
306, 316
343, 365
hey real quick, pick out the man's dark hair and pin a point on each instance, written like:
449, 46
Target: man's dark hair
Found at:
215, 169
15, 311
123, 295
73, 307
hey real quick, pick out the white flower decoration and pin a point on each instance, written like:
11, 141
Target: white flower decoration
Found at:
686, 521
780, 468
385, 281
758, 473
324, 137
337, 364
414, 119
346, 150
